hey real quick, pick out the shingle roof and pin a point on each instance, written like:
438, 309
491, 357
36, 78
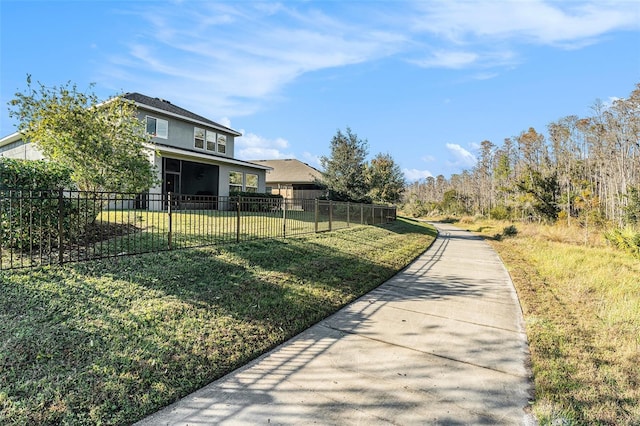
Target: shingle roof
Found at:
167, 106
289, 171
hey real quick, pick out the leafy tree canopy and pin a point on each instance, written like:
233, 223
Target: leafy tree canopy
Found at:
101, 142
385, 179
344, 170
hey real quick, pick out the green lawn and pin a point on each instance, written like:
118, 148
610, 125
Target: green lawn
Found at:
112, 341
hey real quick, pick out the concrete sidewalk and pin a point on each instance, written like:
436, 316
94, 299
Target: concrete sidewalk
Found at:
442, 342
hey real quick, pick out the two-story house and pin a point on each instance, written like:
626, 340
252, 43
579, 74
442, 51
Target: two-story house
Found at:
192, 154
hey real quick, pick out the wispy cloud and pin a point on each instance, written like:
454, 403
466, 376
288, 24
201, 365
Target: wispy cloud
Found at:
413, 175
461, 157
534, 21
236, 56
254, 147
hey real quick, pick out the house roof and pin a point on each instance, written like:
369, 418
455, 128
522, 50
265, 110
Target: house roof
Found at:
168, 108
289, 171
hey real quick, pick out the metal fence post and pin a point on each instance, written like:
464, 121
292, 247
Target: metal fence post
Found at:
330, 215
238, 220
317, 207
348, 211
284, 218
60, 226
361, 214
169, 234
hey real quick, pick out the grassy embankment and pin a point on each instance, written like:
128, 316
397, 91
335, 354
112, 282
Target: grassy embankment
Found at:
112, 341
581, 302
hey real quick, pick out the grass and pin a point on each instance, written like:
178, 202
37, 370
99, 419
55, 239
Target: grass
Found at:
581, 302
108, 342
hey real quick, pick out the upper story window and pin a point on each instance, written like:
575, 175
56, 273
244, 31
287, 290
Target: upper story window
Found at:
157, 127
198, 137
222, 144
211, 141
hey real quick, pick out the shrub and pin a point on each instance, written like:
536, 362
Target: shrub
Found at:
510, 231
30, 204
500, 212
255, 201
627, 239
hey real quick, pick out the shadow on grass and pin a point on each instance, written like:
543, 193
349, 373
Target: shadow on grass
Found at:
116, 339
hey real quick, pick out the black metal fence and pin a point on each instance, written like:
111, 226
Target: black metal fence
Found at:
53, 227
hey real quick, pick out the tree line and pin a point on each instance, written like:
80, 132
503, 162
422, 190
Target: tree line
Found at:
585, 171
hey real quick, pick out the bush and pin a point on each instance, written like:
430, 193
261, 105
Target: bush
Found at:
500, 213
255, 201
30, 204
510, 231
627, 239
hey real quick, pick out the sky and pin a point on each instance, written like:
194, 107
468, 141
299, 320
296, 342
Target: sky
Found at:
423, 81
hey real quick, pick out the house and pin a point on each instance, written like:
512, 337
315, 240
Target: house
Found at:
292, 179
192, 154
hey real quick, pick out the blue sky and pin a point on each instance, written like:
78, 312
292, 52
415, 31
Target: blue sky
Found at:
424, 81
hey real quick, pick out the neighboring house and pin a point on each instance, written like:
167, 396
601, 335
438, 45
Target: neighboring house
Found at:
292, 179
193, 155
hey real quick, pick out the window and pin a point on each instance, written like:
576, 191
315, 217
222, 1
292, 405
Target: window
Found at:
222, 144
157, 127
211, 141
198, 137
251, 183
235, 181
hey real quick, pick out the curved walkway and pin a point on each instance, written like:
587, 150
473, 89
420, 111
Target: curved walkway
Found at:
442, 342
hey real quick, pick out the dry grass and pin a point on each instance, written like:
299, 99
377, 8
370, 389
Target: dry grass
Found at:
581, 301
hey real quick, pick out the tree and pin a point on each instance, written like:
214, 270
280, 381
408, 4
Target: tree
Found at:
344, 171
385, 179
101, 142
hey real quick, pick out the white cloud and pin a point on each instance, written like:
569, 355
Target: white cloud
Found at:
462, 157
413, 175
447, 59
543, 22
428, 158
254, 147
312, 160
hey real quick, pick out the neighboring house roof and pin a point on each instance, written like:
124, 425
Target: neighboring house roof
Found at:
289, 171
147, 102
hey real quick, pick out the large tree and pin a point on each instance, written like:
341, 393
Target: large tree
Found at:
344, 171
385, 179
101, 142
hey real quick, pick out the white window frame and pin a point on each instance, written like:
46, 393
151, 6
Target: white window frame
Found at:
246, 180
210, 137
235, 186
221, 142
197, 130
161, 127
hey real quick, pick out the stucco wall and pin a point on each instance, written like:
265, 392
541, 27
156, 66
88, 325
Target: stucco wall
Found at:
21, 151
181, 134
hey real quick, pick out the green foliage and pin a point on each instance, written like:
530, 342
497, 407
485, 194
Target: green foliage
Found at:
453, 202
544, 190
385, 179
510, 231
30, 205
632, 208
500, 212
344, 171
265, 202
101, 142
627, 239
33, 174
